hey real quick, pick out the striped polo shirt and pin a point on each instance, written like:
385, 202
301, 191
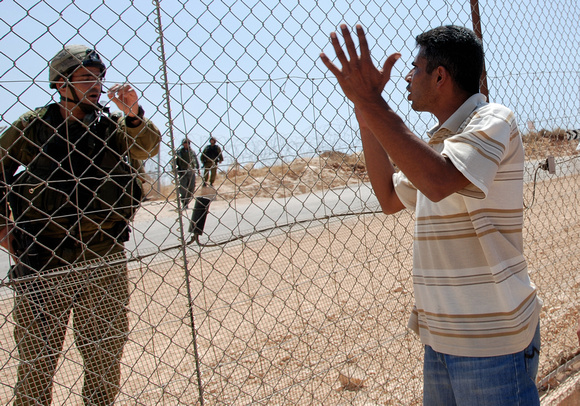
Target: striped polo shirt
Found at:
473, 295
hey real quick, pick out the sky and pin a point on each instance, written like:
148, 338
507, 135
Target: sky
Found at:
248, 72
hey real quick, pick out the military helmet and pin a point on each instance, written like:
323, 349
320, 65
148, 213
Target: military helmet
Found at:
66, 61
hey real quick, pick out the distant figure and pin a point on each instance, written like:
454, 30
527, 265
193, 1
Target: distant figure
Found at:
211, 157
187, 166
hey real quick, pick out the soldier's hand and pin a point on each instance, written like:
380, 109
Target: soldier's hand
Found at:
126, 99
7, 241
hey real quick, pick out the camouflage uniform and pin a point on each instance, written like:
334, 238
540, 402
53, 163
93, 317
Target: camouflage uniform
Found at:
71, 204
210, 158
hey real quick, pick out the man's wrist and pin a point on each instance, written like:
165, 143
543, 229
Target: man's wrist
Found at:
135, 121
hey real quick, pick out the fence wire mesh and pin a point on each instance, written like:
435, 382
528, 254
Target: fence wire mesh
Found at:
281, 283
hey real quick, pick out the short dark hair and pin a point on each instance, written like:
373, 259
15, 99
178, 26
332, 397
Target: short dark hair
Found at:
458, 50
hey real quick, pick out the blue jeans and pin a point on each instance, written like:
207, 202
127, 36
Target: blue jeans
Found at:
482, 381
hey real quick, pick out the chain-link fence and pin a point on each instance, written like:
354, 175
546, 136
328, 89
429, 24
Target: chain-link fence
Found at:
282, 283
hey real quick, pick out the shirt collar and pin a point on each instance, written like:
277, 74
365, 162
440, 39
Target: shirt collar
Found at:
453, 123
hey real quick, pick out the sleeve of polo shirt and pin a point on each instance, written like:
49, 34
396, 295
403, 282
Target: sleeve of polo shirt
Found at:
478, 150
406, 191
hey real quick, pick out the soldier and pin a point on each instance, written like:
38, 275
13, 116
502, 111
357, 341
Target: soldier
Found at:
211, 157
71, 205
187, 167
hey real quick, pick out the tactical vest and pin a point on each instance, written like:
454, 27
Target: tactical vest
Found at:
77, 171
184, 159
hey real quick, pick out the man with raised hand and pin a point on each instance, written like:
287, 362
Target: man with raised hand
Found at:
476, 310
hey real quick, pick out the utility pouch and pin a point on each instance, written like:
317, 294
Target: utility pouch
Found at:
35, 198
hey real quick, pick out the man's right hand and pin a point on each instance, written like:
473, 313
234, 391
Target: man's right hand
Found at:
359, 78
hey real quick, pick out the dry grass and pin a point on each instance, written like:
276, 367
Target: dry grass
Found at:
540, 144
303, 175
335, 169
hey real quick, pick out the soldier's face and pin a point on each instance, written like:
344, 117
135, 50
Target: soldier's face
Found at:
87, 81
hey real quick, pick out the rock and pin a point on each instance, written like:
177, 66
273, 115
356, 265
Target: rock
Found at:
351, 380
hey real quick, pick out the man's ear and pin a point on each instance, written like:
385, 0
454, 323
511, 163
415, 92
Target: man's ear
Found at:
442, 75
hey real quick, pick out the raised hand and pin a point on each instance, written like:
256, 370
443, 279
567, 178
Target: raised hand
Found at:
126, 99
359, 78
